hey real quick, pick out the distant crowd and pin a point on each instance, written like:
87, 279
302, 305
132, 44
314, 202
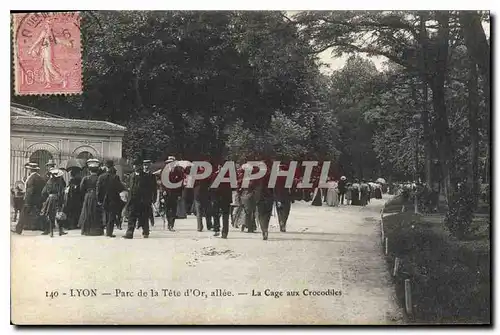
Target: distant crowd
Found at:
99, 202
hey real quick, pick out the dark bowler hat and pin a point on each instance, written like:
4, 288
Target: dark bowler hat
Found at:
110, 163
32, 166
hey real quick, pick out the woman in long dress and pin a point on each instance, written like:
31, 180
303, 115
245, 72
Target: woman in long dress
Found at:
53, 194
90, 218
356, 194
317, 197
348, 194
73, 199
43, 48
332, 198
248, 208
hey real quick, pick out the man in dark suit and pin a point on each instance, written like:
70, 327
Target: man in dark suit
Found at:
342, 186
153, 189
139, 200
282, 198
109, 187
29, 216
221, 198
172, 195
202, 203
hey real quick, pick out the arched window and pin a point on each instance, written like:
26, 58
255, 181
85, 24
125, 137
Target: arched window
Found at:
41, 157
84, 156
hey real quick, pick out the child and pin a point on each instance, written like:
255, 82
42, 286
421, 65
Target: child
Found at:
123, 213
18, 201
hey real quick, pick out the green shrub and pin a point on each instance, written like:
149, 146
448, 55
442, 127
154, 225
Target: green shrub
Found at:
460, 213
450, 278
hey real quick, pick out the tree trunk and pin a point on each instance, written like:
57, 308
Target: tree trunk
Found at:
441, 124
427, 136
416, 175
443, 136
473, 106
428, 149
138, 74
479, 49
476, 41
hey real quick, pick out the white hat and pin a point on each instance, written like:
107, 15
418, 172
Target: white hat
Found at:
343, 178
56, 172
170, 159
93, 162
50, 163
32, 166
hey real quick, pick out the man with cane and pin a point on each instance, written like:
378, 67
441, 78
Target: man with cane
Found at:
109, 187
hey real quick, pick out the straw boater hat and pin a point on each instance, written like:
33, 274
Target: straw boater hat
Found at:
93, 163
146, 161
32, 166
50, 163
343, 178
170, 159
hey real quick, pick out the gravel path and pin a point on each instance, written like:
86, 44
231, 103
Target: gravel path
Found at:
335, 251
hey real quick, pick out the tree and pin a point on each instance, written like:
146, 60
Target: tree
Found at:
478, 49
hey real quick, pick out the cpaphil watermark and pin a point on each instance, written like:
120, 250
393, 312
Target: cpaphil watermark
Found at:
228, 174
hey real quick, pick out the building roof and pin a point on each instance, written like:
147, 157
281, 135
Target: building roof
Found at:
27, 116
22, 110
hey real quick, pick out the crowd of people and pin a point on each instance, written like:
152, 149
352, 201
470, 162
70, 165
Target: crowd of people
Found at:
356, 193
99, 202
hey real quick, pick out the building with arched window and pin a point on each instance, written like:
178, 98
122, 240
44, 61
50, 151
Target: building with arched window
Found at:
38, 137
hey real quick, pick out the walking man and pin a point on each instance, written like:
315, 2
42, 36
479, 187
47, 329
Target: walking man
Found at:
283, 198
202, 201
221, 197
109, 187
152, 179
264, 202
139, 200
342, 186
364, 193
171, 195
29, 216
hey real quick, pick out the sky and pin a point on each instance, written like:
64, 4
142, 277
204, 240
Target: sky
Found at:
336, 63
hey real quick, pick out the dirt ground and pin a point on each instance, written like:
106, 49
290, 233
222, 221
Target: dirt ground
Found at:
334, 250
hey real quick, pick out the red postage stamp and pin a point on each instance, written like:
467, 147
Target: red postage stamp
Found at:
47, 53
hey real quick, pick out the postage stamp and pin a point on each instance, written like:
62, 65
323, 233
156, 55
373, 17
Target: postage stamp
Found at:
47, 53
